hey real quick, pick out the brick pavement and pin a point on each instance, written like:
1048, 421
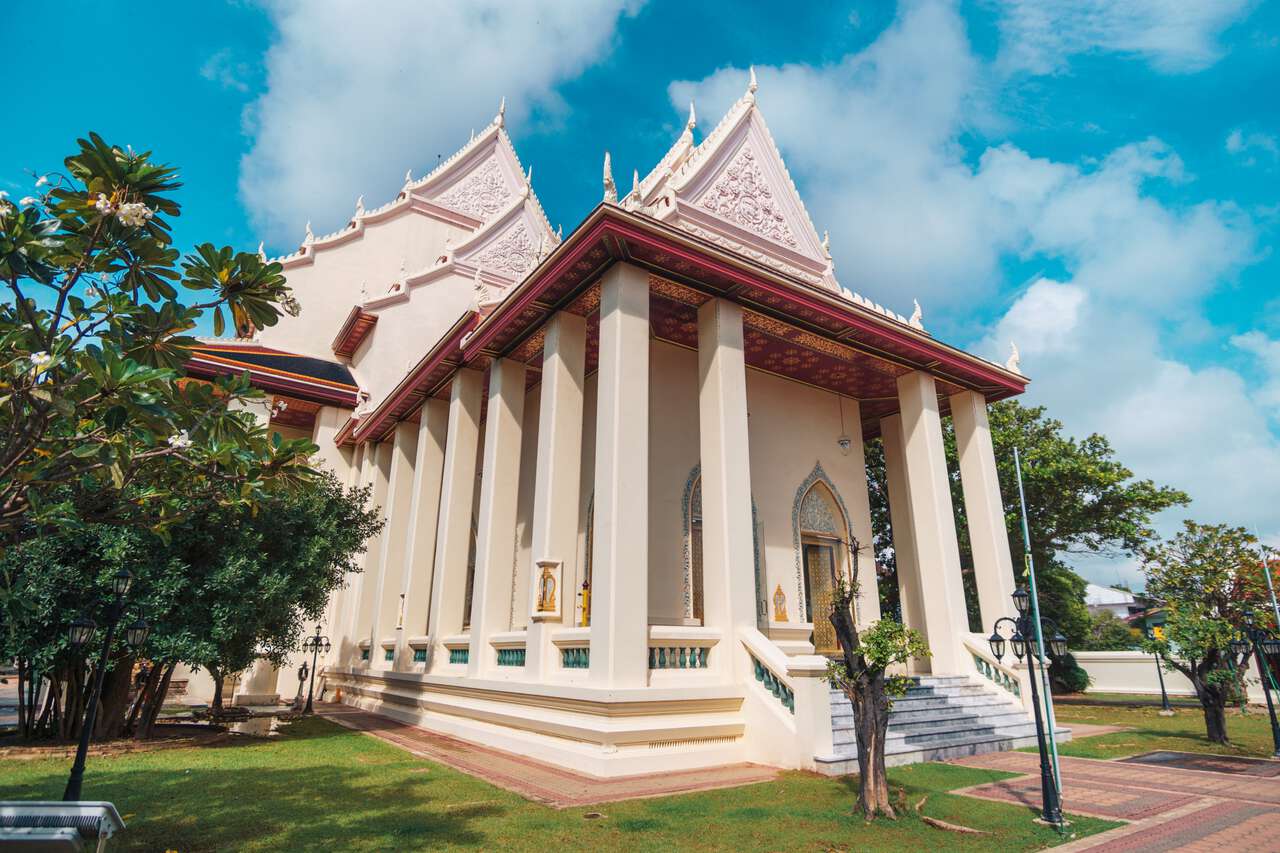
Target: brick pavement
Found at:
536, 780
1167, 808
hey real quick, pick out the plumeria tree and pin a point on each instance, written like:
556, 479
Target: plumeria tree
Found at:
98, 423
862, 674
92, 343
1206, 577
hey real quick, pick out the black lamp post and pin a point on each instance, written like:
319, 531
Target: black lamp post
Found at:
81, 633
1023, 642
315, 645
1263, 643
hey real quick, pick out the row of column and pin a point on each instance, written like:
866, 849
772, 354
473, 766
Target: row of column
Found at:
923, 522
425, 477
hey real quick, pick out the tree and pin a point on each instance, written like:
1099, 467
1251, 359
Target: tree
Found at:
1080, 500
1108, 632
227, 584
92, 343
861, 673
1205, 577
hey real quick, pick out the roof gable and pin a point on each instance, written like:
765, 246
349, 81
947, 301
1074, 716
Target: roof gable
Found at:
734, 189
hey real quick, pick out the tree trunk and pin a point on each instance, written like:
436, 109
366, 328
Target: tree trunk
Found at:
866, 691
143, 697
1213, 701
871, 717
23, 673
216, 672
114, 699
157, 702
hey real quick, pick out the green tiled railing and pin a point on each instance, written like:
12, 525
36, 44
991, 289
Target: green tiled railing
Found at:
459, 655
678, 657
579, 658
774, 685
510, 657
1003, 679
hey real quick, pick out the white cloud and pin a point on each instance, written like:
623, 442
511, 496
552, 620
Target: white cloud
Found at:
227, 71
1267, 353
911, 214
1174, 36
1247, 146
358, 93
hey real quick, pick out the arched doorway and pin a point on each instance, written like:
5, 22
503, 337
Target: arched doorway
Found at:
821, 539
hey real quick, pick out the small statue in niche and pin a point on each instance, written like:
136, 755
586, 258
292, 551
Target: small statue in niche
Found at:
547, 590
779, 605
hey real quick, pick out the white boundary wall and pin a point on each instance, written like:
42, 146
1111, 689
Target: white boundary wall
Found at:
1135, 672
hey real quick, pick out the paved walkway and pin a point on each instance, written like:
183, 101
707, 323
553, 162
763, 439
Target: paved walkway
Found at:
536, 780
1167, 808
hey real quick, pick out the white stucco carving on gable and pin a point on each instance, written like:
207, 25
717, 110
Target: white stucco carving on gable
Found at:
482, 193
741, 194
513, 253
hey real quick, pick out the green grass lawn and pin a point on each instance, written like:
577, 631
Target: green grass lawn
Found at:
1183, 732
321, 787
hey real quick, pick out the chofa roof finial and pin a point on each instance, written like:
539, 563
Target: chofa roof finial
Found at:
917, 316
826, 244
359, 206
500, 118
610, 188
309, 238
408, 177
752, 85
693, 118
1015, 358
262, 253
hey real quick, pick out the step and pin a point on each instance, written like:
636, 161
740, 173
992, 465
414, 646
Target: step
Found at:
899, 754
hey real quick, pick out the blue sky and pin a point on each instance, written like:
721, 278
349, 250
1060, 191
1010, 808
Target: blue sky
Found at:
1098, 181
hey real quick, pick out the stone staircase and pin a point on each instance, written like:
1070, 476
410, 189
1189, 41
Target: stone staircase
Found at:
941, 717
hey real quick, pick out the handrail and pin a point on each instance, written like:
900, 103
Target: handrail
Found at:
1000, 674
770, 667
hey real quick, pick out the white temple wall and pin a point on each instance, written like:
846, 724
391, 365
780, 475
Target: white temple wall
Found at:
575, 574
673, 453
328, 287
524, 510
406, 331
792, 429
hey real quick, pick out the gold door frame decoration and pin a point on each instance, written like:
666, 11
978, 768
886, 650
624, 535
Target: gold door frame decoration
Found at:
820, 554
819, 518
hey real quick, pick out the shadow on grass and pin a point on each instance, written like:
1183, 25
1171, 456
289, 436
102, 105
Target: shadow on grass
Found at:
342, 807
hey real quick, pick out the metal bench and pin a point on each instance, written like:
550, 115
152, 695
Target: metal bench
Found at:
52, 825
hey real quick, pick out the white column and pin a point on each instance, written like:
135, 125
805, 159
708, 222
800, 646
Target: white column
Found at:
379, 457
937, 549
420, 547
387, 618
868, 601
341, 462
903, 529
728, 550
620, 559
348, 636
453, 529
984, 508
557, 485
496, 525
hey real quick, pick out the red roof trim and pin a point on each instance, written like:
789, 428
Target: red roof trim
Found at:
355, 329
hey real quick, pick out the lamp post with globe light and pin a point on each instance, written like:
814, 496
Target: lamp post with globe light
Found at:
1022, 639
80, 634
314, 644
1263, 643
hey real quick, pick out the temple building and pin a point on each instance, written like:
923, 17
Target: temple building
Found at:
618, 465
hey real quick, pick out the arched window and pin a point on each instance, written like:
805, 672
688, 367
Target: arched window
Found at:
693, 572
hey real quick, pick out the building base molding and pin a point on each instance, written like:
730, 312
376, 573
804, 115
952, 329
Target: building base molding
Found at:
602, 732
